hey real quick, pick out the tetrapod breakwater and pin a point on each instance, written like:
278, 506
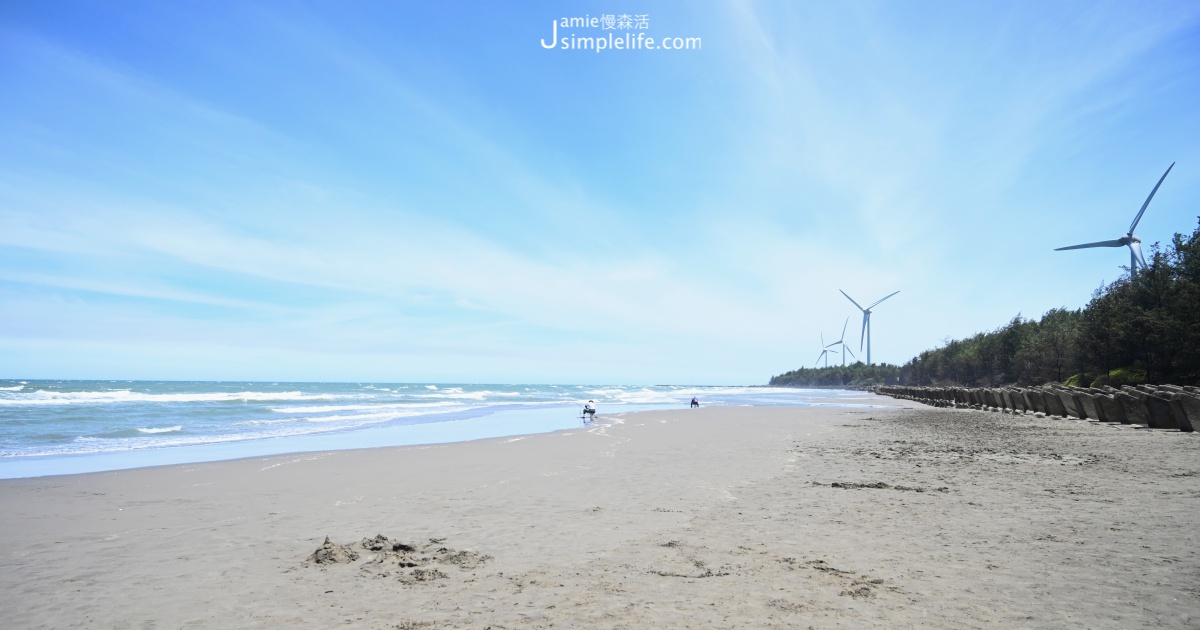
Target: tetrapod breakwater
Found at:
1168, 407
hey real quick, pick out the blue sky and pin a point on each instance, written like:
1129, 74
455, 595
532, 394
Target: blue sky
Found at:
403, 191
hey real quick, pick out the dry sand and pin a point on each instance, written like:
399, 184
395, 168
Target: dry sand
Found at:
709, 518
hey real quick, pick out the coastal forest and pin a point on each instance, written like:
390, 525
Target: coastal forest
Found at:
1141, 329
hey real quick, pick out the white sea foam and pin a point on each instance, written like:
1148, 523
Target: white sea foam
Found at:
382, 412
255, 423
371, 418
456, 393
398, 406
88, 445
433, 387
173, 429
43, 397
297, 427
640, 396
14, 388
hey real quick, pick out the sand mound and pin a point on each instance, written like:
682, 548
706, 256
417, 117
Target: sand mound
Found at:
409, 563
330, 553
381, 543
422, 575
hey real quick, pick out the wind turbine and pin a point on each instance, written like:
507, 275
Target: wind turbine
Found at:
865, 335
1130, 239
824, 352
842, 342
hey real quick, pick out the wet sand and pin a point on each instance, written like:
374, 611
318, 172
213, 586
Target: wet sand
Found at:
716, 517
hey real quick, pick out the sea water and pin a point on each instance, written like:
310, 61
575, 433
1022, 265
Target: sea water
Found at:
61, 427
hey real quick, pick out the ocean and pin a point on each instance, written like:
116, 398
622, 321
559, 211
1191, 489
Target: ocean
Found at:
62, 427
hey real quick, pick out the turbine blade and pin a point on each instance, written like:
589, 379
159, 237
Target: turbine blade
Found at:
1143, 210
1116, 243
1135, 249
843, 338
852, 301
863, 335
819, 357
880, 300
848, 350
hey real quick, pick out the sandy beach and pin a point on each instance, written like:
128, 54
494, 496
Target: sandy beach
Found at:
712, 518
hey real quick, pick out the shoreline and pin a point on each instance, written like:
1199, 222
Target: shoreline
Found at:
718, 517
493, 425
494, 419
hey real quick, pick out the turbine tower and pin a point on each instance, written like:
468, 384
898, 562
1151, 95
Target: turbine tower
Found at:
1130, 239
842, 342
865, 335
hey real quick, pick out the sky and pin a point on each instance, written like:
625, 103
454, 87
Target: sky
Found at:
443, 192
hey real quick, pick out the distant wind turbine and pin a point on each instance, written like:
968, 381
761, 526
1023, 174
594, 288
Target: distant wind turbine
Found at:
824, 352
1130, 239
842, 342
865, 335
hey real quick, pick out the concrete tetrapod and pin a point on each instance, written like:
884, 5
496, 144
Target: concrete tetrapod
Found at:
1182, 422
1081, 408
1022, 401
1054, 404
1135, 411
1068, 400
1113, 410
1162, 416
1013, 400
996, 399
1033, 401
1095, 395
1088, 404
1190, 407
1040, 399
1158, 410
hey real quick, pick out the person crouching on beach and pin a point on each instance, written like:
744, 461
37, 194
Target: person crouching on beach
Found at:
695, 402
589, 409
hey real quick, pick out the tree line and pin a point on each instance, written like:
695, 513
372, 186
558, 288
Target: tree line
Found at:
1144, 329
856, 375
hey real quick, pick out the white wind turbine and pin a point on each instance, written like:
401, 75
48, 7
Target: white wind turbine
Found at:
842, 342
865, 335
1130, 239
824, 352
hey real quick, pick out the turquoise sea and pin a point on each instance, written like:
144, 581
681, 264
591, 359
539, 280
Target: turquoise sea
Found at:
61, 427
